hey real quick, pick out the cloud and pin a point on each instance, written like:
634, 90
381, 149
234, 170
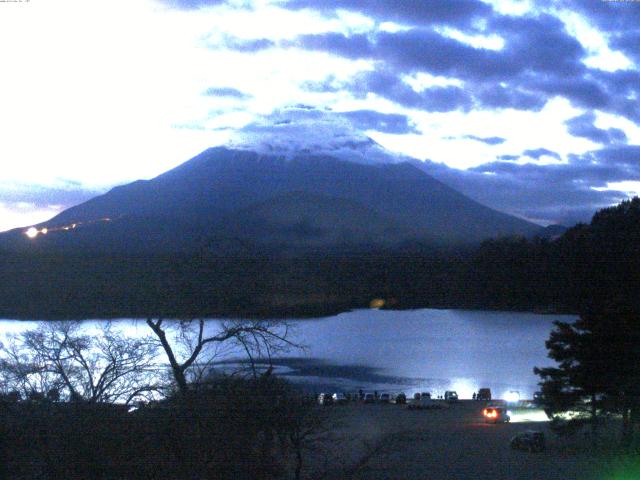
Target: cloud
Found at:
500, 97
622, 88
532, 44
349, 46
226, 92
583, 92
583, 126
487, 140
539, 60
619, 19
539, 44
508, 158
541, 152
390, 86
14, 215
613, 16
302, 129
411, 51
451, 12
557, 193
40, 196
193, 4
24, 204
621, 155
247, 45
383, 122
628, 43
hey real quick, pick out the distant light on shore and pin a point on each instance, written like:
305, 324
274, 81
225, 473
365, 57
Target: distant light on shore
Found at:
528, 415
32, 232
512, 396
377, 303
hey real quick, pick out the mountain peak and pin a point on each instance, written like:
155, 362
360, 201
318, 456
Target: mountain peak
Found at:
297, 132
298, 199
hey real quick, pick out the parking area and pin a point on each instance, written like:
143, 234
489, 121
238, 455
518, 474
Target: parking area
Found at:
454, 442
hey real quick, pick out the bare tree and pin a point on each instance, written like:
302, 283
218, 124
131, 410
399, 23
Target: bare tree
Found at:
191, 346
63, 357
20, 372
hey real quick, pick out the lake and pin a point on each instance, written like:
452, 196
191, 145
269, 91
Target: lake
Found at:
410, 351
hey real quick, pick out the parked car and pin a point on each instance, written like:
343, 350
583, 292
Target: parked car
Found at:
385, 398
325, 399
496, 414
451, 396
529, 440
484, 394
340, 398
401, 399
369, 398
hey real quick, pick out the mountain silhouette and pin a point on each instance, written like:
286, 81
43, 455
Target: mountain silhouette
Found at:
233, 201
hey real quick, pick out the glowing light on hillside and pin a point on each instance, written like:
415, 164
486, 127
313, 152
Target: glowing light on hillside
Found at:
33, 232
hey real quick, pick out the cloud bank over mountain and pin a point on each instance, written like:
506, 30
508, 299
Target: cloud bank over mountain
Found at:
304, 130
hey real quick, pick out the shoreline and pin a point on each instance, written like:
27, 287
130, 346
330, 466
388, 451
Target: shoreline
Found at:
287, 314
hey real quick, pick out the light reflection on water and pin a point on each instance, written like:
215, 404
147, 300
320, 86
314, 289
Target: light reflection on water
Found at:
440, 349
410, 351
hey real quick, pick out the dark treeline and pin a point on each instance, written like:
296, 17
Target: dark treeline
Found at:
588, 264
233, 429
596, 377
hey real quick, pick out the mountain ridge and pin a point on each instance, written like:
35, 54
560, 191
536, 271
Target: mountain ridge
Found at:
210, 197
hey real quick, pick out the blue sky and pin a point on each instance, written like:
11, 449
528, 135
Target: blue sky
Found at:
529, 107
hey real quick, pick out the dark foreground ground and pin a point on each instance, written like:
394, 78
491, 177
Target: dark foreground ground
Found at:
391, 442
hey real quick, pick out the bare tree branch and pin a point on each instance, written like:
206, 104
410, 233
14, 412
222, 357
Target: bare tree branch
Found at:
103, 367
193, 346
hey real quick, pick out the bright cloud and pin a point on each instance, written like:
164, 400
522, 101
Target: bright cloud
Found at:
13, 215
103, 93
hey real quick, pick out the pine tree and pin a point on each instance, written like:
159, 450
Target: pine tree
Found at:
598, 370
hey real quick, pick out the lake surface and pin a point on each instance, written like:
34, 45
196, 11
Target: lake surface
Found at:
409, 351
435, 350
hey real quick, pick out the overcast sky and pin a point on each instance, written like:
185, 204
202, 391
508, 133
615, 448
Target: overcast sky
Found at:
530, 107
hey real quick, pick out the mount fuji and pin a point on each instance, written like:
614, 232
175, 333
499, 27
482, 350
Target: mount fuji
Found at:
349, 195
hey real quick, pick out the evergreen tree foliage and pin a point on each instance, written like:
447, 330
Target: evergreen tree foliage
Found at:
598, 370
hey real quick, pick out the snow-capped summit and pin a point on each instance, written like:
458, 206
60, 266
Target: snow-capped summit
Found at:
293, 200
300, 131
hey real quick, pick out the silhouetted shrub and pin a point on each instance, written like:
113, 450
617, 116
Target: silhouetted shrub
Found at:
231, 429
